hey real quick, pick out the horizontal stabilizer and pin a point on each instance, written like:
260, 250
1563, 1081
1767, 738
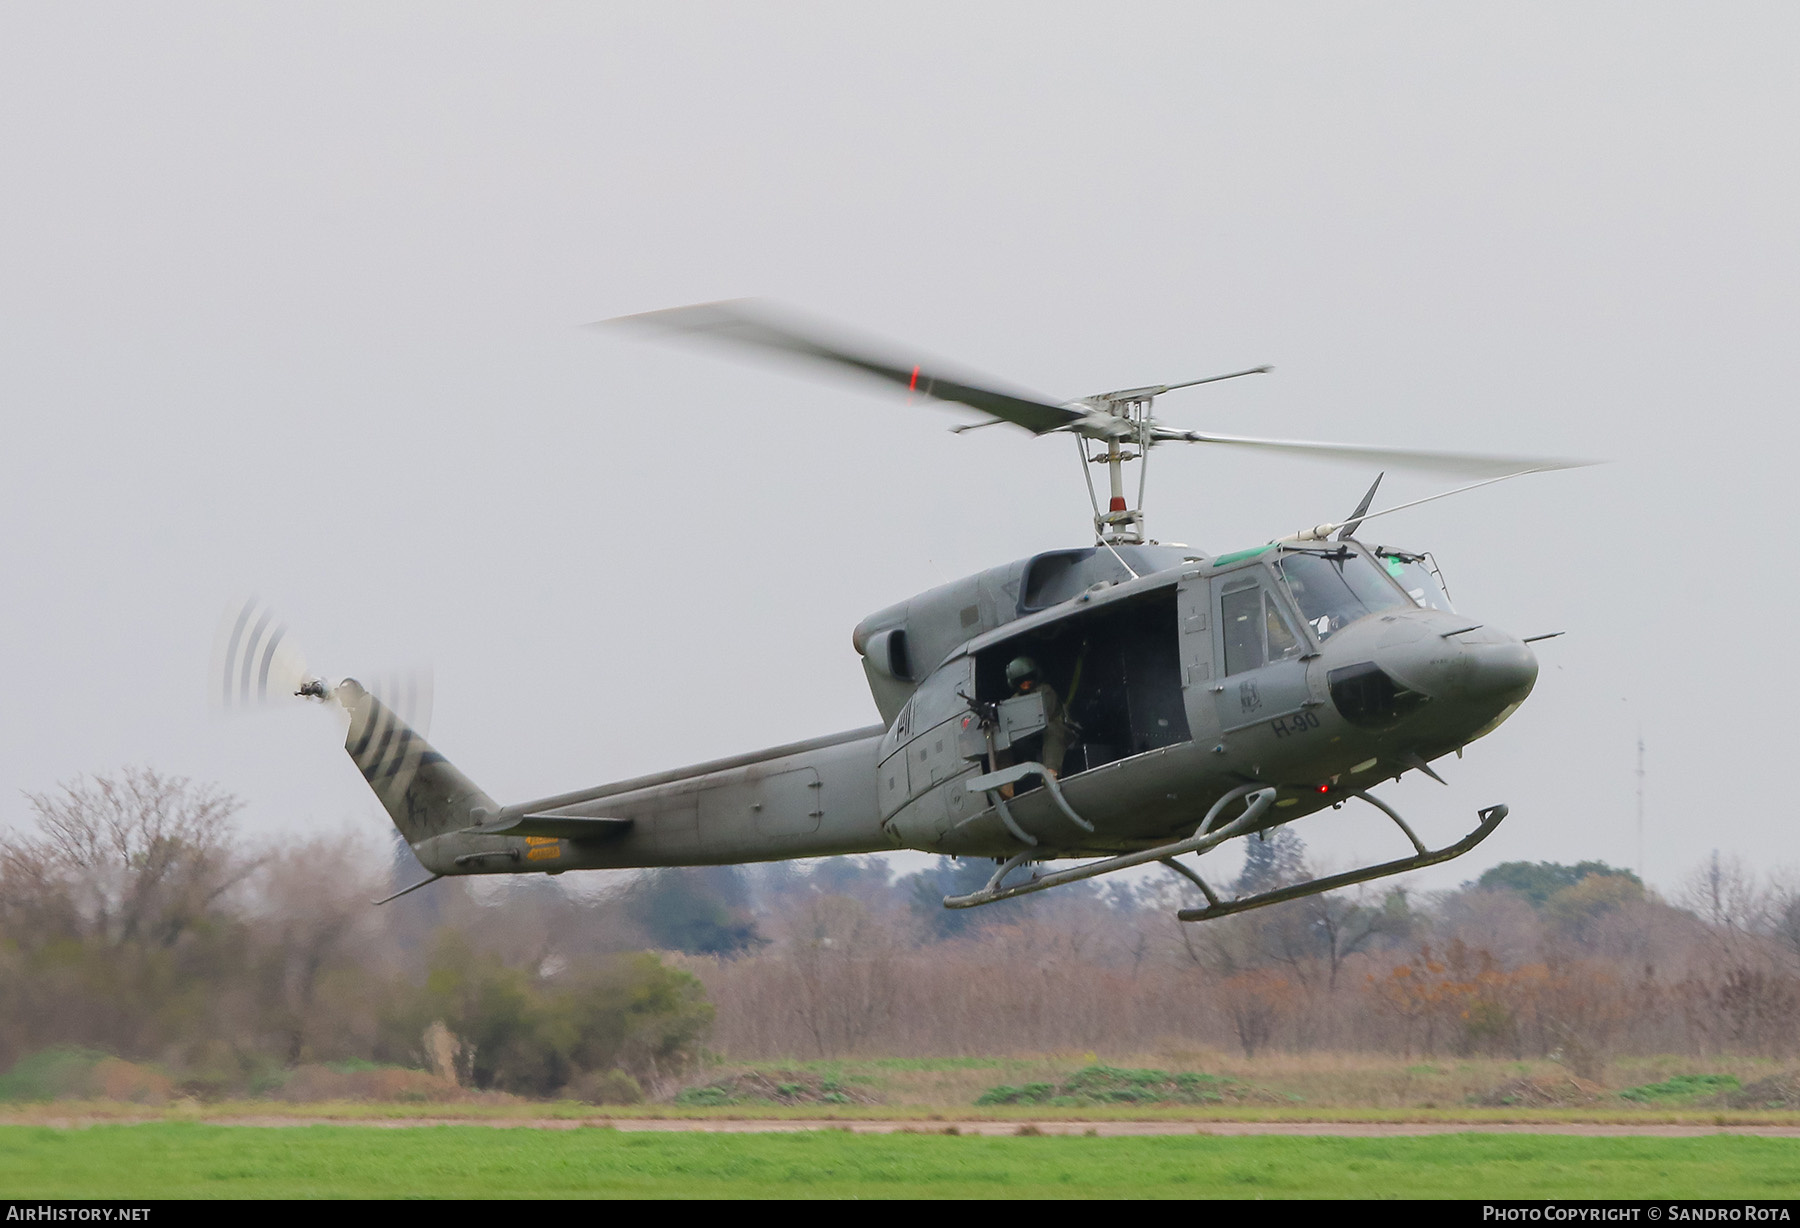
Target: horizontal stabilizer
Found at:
559, 826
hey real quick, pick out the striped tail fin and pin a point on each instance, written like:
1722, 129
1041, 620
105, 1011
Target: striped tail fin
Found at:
421, 790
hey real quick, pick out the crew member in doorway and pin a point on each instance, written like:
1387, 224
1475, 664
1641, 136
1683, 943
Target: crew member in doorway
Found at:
1023, 676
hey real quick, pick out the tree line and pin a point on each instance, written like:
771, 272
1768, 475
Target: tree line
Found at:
136, 920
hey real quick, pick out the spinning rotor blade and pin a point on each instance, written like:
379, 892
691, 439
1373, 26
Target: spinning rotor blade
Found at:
1156, 390
257, 664
254, 661
407, 693
1467, 464
755, 325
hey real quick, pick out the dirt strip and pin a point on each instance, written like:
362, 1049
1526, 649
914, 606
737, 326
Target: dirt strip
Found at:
1102, 1129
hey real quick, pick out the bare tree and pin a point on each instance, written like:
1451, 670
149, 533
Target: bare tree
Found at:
1724, 894
313, 898
1343, 924
134, 858
1784, 918
842, 960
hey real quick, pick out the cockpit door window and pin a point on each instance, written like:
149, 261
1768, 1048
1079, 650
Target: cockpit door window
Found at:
1241, 616
1282, 641
1263, 653
1256, 630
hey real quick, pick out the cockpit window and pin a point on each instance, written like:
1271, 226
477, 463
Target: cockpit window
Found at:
1418, 575
1242, 612
1256, 632
1282, 640
1334, 588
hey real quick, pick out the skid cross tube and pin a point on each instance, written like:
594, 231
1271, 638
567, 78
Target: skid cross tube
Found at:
1260, 799
993, 782
1490, 819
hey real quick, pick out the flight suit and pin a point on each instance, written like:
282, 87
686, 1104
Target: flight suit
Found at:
1054, 747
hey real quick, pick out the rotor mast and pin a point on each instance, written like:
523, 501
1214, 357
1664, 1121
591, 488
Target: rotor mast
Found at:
1122, 419
1120, 524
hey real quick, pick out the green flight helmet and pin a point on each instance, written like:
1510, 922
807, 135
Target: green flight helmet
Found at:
1021, 669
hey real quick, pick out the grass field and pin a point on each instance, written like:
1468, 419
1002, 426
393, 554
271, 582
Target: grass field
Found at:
187, 1148
1304, 1083
1219, 1088
199, 1161
1349, 1086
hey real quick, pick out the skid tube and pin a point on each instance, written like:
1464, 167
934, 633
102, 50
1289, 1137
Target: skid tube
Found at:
1261, 798
1490, 819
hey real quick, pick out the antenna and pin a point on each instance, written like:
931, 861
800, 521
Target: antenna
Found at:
1640, 803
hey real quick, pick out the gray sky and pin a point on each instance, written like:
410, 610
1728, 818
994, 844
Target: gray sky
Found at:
290, 302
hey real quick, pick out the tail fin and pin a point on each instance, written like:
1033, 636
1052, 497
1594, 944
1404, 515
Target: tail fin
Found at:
421, 790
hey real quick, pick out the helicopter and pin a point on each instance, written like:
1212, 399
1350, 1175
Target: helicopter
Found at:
1118, 704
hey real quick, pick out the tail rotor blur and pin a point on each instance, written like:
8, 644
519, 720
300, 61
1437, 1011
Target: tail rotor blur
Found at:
257, 664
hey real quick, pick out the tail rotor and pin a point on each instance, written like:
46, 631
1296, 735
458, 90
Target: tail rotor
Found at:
258, 664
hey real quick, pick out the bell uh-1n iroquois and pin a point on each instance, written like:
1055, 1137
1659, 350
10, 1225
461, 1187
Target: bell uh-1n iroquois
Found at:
1187, 699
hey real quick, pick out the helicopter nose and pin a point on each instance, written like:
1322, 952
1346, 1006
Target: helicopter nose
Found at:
1471, 664
1503, 671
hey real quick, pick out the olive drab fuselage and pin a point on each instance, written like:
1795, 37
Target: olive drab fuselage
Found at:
1188, 681
1316, 668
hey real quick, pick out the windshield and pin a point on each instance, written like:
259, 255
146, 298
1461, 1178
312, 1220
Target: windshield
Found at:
1418, 575
1334, 588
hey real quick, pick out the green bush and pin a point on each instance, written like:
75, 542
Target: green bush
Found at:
1094, 1085
1682, 1087
51, 1074
535, 1034
606, 1087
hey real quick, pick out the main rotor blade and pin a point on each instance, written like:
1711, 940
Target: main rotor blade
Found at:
1156, 390
1468, 464
1320, 532
758, 326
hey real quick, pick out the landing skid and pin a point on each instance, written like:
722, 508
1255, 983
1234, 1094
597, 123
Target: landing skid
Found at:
1261, 798
1258, 799
1490, 819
